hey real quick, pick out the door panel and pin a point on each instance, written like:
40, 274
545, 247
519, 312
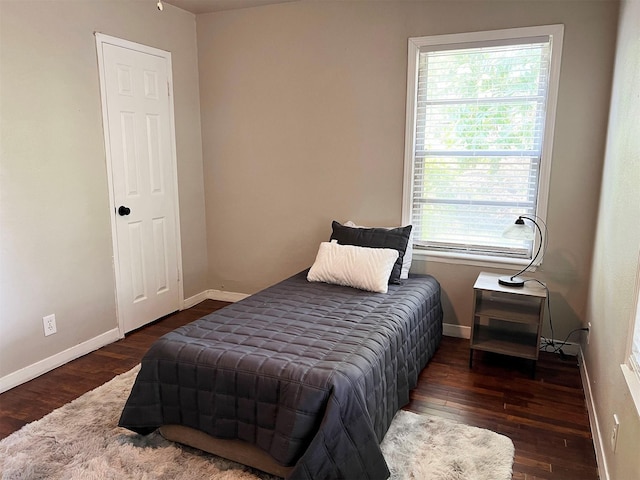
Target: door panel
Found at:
139, 133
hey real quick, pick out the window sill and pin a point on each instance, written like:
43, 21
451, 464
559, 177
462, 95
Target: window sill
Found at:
474, 260
634, 385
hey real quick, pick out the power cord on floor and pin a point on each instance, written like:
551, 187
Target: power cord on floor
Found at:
556, 347
546, 343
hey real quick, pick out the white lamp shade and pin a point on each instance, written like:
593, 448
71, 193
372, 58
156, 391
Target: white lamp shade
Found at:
519, 232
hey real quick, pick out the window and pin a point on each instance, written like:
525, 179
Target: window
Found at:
631, 367
480, 114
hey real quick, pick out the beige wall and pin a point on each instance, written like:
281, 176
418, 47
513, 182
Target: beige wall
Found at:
611, 298
302, 122
55, 236
303, 116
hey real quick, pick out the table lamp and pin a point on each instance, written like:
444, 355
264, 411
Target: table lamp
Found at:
520, 231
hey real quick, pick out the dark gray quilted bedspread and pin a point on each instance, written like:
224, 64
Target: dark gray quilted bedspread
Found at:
311, 373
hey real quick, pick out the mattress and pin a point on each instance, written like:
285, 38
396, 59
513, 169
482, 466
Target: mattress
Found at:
310, 373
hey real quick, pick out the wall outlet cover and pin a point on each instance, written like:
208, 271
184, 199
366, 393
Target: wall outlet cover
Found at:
615, 432
49, 324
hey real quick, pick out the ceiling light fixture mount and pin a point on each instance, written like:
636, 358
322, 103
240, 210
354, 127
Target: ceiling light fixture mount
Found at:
160, 5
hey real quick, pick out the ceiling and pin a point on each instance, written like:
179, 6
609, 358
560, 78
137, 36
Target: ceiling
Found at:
207, 6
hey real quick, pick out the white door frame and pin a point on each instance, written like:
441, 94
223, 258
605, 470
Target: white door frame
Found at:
107, 39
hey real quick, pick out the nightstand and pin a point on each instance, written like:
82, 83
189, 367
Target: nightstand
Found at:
507, 320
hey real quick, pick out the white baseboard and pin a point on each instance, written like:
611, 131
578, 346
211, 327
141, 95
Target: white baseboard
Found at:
43, 366
46, 365
458, 331
596, 433
226, 296
220, 295
196, 299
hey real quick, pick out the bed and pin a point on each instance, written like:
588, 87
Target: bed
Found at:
301, 380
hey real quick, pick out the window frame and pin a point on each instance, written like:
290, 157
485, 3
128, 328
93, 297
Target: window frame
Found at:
631, 366
464, 40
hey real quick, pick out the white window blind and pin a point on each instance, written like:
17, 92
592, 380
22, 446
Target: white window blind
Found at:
478, 142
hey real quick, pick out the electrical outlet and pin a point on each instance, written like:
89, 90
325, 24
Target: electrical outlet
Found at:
614, 432
49, 323
588, 332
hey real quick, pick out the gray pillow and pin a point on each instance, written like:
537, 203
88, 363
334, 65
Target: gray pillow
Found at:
396, 238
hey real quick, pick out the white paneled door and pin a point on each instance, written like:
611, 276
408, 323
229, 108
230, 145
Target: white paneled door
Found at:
139, 138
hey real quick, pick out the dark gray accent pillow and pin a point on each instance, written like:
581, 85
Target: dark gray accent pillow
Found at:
396, 238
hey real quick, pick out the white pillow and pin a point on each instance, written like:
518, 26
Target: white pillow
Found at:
358, 267
408, 253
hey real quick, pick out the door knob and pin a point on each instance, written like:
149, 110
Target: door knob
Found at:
122, 210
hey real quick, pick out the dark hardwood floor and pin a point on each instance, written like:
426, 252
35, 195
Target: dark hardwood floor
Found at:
546, 417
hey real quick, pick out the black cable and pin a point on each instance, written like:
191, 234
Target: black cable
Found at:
542, 246
548, 304
533, 259
557, 348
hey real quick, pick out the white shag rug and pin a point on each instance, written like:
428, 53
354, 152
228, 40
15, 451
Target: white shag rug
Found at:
81, 440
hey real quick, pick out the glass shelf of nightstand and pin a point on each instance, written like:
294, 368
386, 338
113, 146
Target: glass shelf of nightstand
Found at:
514, 343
